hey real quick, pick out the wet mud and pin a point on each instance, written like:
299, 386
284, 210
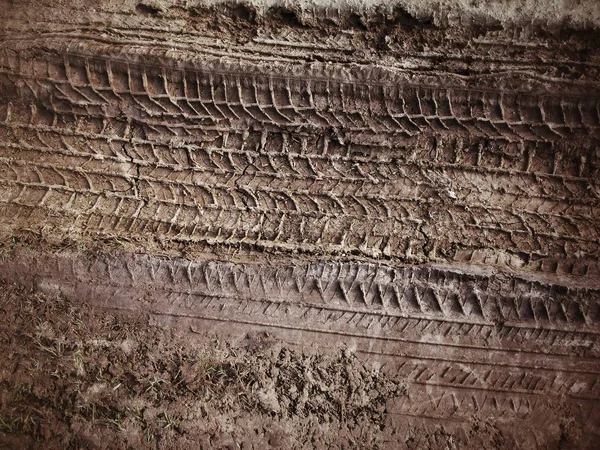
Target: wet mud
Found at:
389, 222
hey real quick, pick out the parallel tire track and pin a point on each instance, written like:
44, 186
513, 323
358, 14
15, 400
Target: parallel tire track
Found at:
448, 221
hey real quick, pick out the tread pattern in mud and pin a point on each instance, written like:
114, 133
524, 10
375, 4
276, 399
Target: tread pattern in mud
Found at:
296, 164
481, 345
446, 224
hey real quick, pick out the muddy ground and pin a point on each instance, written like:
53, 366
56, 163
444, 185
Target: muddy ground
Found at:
257, 225
74, 377
79, 378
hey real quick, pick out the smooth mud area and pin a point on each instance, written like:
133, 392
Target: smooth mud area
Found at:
266, 225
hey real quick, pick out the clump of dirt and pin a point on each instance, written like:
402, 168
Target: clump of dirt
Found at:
75, 377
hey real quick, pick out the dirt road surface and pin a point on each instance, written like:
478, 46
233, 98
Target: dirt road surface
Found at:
249, 225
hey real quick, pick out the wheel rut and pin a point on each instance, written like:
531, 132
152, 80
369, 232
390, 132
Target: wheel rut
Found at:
431, 200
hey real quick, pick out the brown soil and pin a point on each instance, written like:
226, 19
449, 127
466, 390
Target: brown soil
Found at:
230, 227
76, 377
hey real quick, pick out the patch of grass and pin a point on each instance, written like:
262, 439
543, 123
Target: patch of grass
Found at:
118, 424
9, 425
155, 383
167, 422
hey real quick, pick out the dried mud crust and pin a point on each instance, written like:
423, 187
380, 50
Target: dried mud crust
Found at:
425, 193
77, 377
